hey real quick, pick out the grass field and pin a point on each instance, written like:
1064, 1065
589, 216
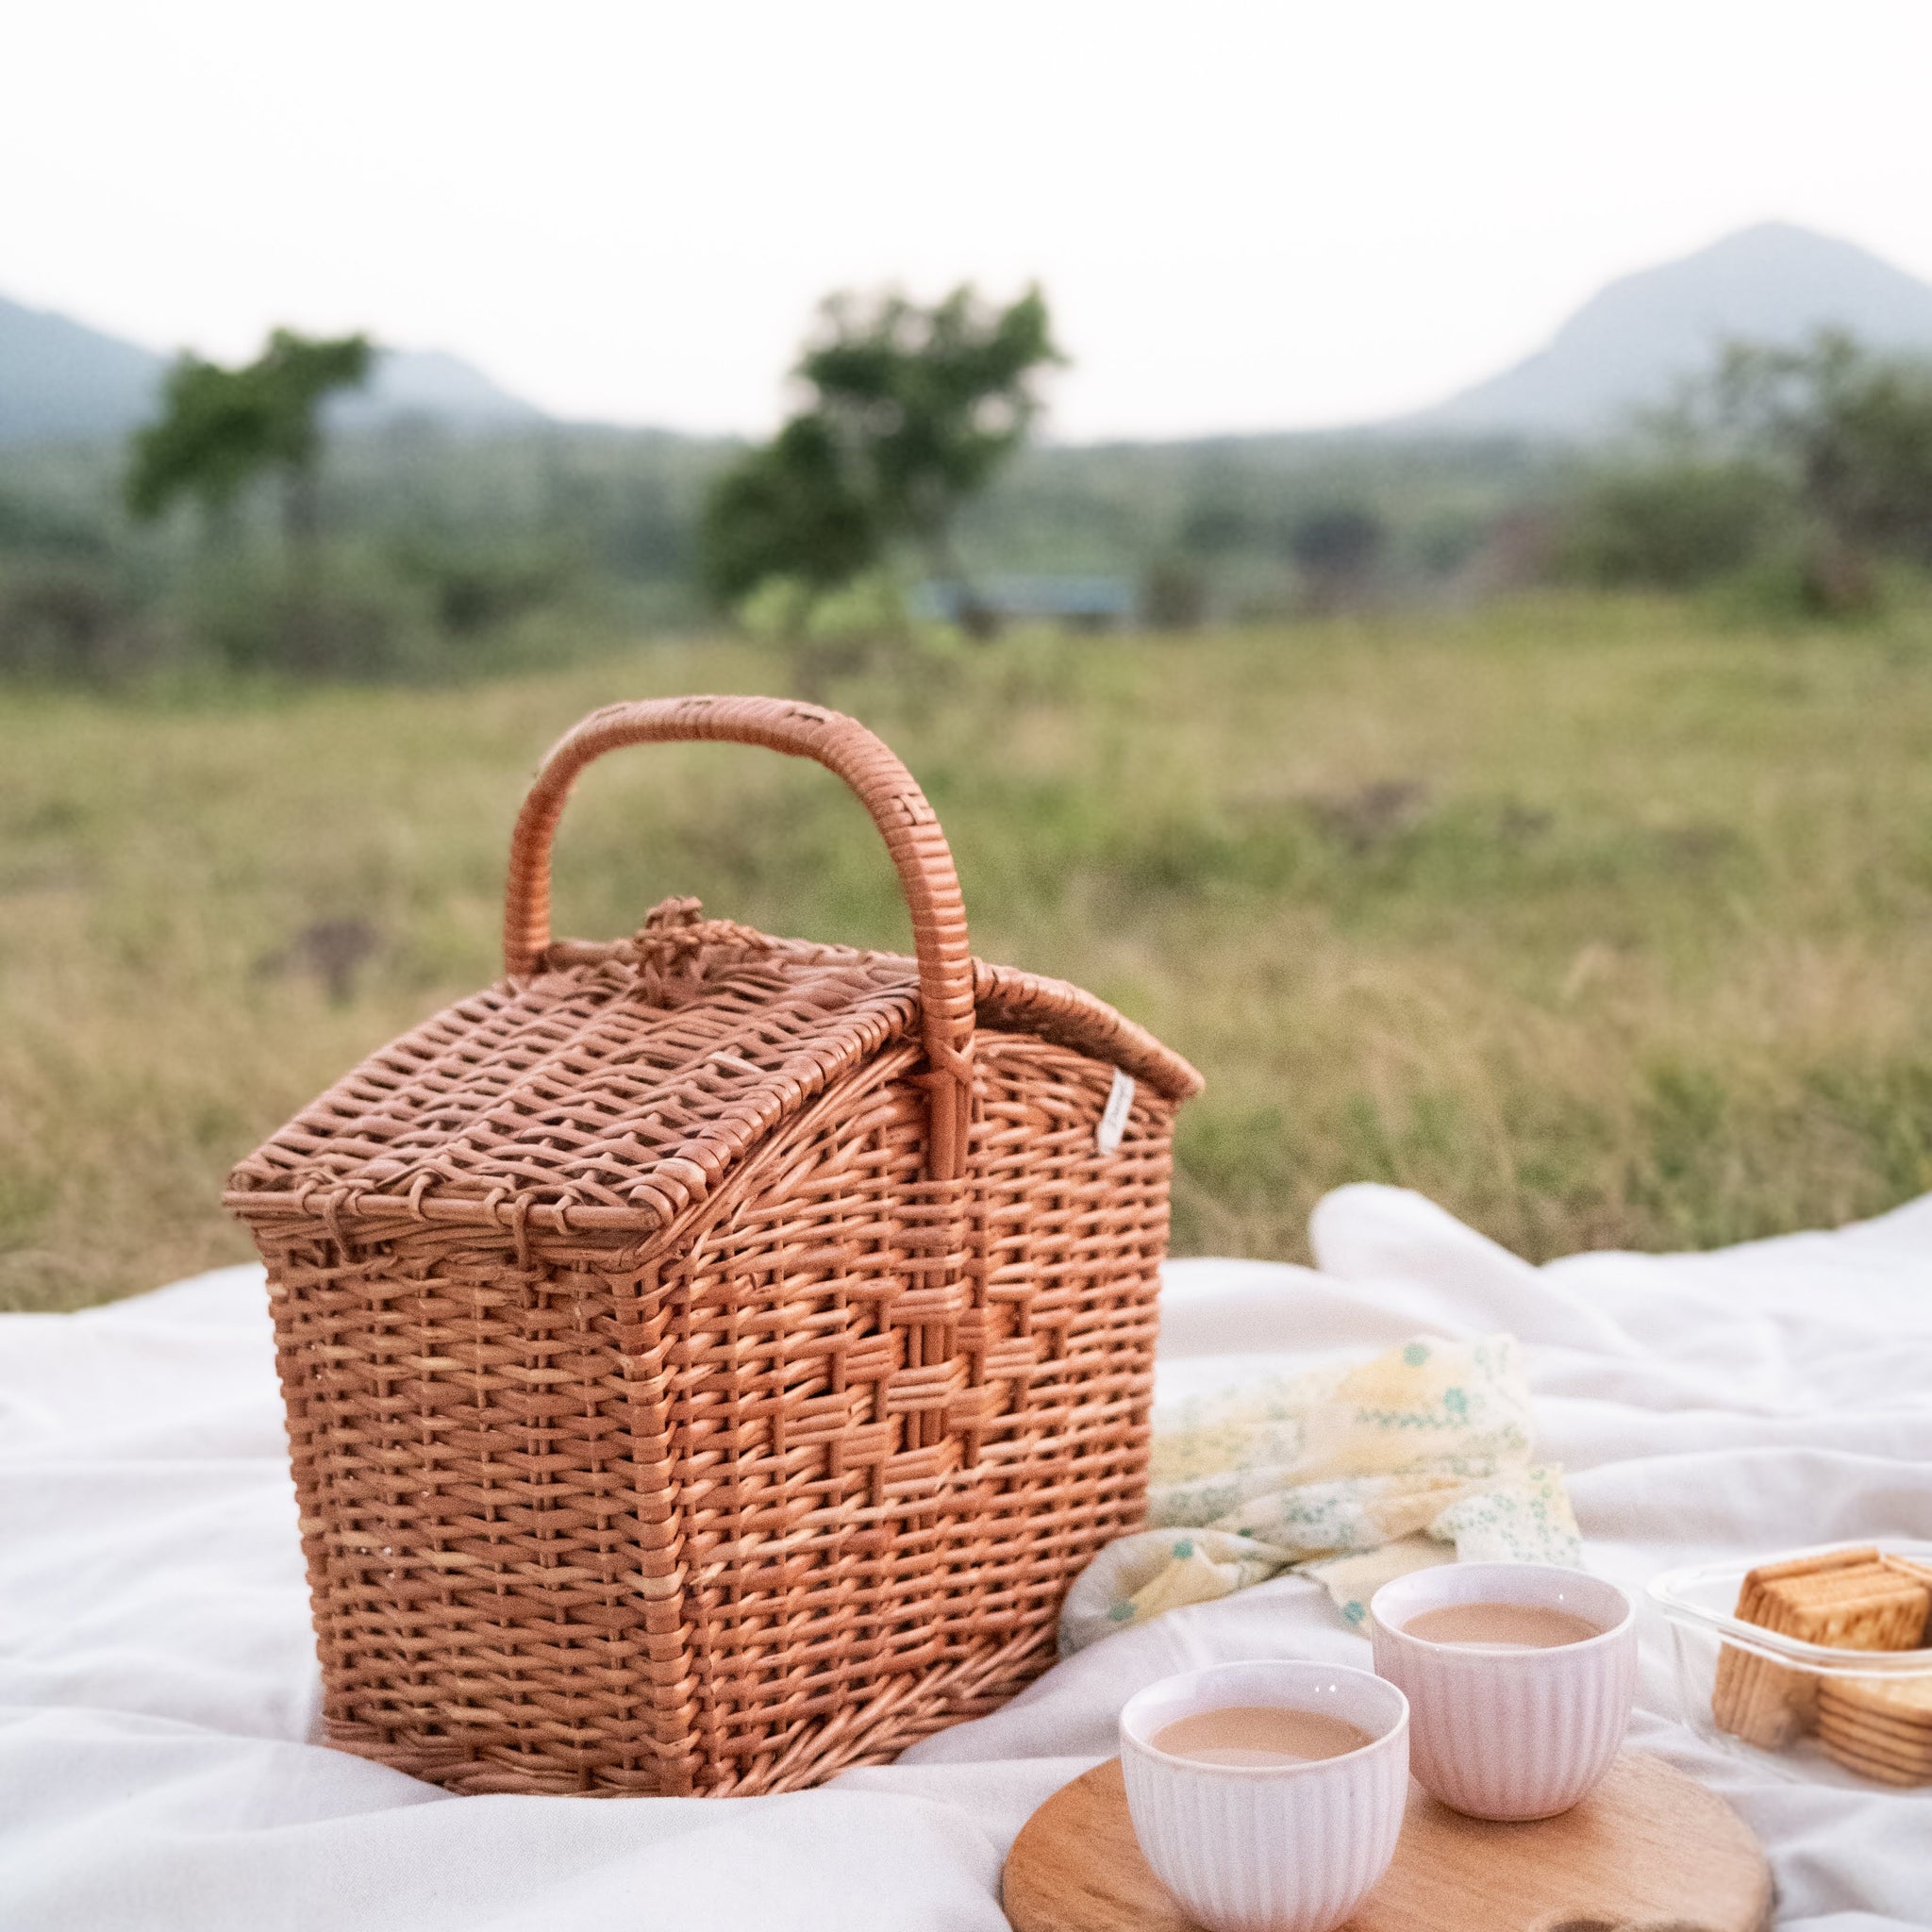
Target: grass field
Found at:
1599, 924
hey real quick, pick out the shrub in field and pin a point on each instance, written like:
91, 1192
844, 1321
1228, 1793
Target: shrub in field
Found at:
63, 621
867, 610
369, 621
1173, 595
1337, 548
1674, 524
837, 632
474, 589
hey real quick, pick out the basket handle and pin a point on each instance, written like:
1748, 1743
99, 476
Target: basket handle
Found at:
885, 787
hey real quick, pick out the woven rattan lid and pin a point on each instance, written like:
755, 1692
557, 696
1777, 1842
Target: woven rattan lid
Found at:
615, 1089
609, 1088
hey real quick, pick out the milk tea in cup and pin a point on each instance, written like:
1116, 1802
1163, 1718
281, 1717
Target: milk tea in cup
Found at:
1502, 1626
1258, 1735
1266, 1797
1519, 1678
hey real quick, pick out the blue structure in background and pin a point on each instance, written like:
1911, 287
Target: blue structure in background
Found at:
1079, 602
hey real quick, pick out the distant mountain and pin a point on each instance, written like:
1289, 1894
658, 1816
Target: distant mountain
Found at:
1628, 348
427, 383
1630, 344
61, 381
64, 382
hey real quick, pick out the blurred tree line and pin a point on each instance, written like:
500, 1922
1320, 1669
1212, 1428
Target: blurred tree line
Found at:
1794, 478
1801, 478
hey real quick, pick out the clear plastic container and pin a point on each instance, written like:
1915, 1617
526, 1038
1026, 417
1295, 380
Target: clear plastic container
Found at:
1700, 1602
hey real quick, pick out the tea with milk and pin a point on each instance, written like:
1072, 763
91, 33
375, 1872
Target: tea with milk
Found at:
1259, 1736
1501, 1627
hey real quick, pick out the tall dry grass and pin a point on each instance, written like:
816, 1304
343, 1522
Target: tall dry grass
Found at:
1597, 924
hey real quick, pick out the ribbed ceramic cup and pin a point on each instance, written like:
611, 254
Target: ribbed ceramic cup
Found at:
1271, 1848
1510, 1733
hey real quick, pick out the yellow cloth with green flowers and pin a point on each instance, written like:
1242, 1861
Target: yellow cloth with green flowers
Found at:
1354, 1474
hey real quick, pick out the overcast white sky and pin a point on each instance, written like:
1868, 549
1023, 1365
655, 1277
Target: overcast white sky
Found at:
1246, 216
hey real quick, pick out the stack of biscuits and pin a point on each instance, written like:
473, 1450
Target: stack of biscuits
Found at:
1878, 1727
1855, 1599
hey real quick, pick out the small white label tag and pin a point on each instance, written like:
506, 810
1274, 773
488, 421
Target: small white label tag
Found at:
1113, 1122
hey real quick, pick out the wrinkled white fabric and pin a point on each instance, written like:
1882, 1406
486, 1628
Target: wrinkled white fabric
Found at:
157, 1688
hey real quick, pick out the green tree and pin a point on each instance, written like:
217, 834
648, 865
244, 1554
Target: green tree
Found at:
788, 509
221, 429
1852, 433
1810, 465
911, 411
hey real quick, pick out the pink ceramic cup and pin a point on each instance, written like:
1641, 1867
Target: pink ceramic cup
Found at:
1275, 1848
1510, 1733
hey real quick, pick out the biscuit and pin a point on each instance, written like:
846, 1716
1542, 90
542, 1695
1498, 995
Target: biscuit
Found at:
1907, 1566
1843, 1599
1871, 1734
1852, 1742
1902, 1700
1742, 1701
1886, 1716
1878, 1726
1856, 1755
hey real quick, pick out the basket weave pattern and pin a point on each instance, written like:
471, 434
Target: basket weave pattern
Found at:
709, 1357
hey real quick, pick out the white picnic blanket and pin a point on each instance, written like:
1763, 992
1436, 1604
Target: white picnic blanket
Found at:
158, 1689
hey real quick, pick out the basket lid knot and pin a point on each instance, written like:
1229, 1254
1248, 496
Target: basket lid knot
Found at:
669, 949
669, 913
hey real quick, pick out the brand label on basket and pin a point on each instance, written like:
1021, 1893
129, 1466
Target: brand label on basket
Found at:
1113, 1122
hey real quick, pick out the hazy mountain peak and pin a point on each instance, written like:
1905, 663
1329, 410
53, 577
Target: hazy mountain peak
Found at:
61, 380
64, 382
1638, 337
435, 386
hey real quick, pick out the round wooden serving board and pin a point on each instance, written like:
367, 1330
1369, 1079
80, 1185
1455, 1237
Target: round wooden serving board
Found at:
1648, 1848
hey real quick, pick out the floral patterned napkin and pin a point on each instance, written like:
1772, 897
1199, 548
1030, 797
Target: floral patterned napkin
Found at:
1352, 1474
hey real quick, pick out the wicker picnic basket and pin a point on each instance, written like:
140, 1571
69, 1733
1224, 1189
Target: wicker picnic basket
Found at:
709, 1357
